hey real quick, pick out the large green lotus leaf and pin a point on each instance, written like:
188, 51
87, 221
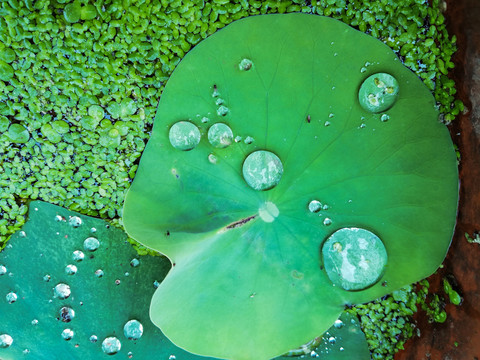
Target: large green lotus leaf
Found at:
249, 279
111, 286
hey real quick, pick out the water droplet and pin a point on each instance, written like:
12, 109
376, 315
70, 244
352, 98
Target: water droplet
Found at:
156, 284
238, 139
325, 207
354, 258
34, 322
75, 221
327, 221
68, 334
222, 110
99, 273
3, 270
91, 244
378, 92
59, 218
245, 64
61, 291
134, 262
327, 123
93, 338
363, 69
130, 355
219, 101
249, 140
26, 351
117, 282
70, 269
384, 117
262, 170
22, 234
5, 340
338, 324
78, 255
220, 135
127, 274
93, 230
172, 357
341, 348
332, 340
314, 206
111, 345
184, 135
133, 330
205, 119
212, 158
268, 212
11, 297
362, 126
66, 314
47, 278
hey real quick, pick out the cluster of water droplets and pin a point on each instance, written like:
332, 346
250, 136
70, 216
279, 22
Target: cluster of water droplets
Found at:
316, 206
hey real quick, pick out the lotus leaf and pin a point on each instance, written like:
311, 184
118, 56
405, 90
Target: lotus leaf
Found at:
250, 238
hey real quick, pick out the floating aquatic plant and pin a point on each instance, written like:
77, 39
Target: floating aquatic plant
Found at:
340, 185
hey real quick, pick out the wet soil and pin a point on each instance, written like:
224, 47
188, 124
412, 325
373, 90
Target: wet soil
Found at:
459, 337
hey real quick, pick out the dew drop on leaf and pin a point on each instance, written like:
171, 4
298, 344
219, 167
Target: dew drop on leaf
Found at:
378, 92
134, 262
99, 273
354, 258
3, 270
245, 64
78, 255
111, 345
67, 334
91, 244
93, 338
184, 135
5, 340
66, 314
75, 221
11, 297
220, 135
262, 170
133, 330
61, 291
314, 206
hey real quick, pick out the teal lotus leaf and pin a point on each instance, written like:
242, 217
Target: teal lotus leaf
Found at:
246, 238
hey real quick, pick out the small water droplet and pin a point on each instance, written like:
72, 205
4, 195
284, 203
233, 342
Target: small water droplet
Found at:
172, 357
111, 345
327, 123
238, 139
61, 291
338, 324
363, 69
130, 355
222, 110
5, 341
212, 159
249, 140
245, 64
362, 126
11, 297
332, 340
91, 244
341, 348
68, 334
26, 352
384, 117
59, 218
117, 282
133, 330
184, 135
3, 270
127, 273
134, 262
327, 221
34, 322
66, 314
70, 269
262, 170
156, 284
205, 119
325, 207
47, 278
99, 273
93, 338
75, 221
22, 234
78, 255
93, 230
219, 101
220, 135
314, 206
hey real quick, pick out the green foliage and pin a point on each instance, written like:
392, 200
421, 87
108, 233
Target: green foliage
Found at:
246, 260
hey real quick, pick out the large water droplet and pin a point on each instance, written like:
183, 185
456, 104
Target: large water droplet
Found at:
111, 345
184, 135
61, 291
71, 269
78, 255
314, 206
11, 297
354, 258
262, 170
378, 92
3, 270
67, 334
75, 221
5, 340
133, 330
66, 314
91, 244
220, 135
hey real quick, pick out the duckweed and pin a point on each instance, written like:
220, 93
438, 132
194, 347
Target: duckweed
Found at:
80, 83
